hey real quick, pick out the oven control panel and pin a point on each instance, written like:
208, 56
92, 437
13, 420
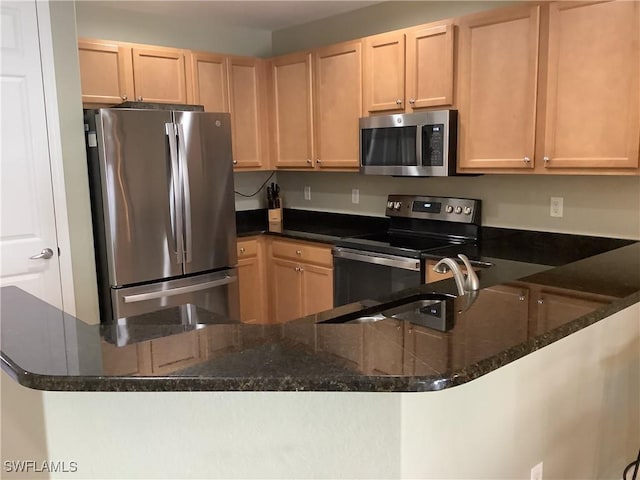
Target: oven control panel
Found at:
459, 210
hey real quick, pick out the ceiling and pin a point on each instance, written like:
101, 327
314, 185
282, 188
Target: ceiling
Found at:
262, 15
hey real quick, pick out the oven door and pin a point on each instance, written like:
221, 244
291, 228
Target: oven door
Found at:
360, 275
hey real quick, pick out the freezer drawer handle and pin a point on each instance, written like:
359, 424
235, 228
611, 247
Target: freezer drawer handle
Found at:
141, 297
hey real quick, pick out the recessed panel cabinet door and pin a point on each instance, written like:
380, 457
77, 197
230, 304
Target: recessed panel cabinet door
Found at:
498, 68
293, 120
245, 78
106, 72
209, 76
594, 85
430, 66
338, 104
159, 75
287, 294
317, 288
384, 72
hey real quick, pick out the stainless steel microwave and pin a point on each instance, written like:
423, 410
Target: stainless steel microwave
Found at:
414, 144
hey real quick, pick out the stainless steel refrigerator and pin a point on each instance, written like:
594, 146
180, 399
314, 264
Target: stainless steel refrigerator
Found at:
163, 210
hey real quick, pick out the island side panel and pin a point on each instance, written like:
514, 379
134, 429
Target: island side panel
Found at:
573, 405
225, 434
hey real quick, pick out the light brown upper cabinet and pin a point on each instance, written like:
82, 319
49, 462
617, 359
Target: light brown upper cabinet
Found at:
337, 88
113, 72
209, 81
498, 69
106, 73
384, 72
551, 88
292, 111
593, 88
234, 84
159, 74
409, 69
247, 102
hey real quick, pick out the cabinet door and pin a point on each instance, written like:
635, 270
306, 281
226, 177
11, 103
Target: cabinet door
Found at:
496, 321
159, 75
245, 89
286, 281
383, 347
593, 85
106, 72
293, 119
426, 351
209, 77
317, 288
251, 282
384, 72
338, 104
554, 309
430, 66
498, 68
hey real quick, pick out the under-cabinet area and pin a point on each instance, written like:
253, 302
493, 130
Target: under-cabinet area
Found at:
542, 87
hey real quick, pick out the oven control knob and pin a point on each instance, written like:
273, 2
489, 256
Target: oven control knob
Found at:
389, 204
467, 210
458, 209
397, 205
448, 209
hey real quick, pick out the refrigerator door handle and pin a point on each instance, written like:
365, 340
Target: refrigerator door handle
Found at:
176, 195
141, 297
184, 177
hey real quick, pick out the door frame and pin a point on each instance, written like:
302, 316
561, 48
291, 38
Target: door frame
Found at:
55, 156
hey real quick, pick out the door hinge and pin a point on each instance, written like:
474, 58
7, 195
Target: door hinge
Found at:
58, 251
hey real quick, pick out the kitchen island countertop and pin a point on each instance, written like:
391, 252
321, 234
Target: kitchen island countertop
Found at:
513, 315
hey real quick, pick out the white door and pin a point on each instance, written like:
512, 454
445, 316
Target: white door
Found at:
27, 222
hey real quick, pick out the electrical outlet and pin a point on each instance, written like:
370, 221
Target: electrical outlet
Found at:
355, 195
307, 193
536, 472
556, 207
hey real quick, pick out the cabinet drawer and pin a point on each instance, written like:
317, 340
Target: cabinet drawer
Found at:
302, 252
247, 248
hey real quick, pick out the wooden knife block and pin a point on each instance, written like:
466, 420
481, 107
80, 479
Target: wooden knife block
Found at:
275, 219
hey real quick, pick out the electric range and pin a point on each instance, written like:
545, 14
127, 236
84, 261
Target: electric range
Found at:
374, 265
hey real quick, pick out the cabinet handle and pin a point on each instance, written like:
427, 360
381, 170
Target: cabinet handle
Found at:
540, 301
298, 252
140, 99
301, 269
241, 249
522, 298
526, 160
297, 269
124, 97
410, 330
412, 101
546, 160
398, 102
235, 162
318, 160
308, 160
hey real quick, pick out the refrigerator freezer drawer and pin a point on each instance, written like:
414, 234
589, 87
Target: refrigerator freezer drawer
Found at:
216, 292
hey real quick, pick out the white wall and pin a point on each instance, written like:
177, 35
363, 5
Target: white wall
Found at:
74, 160
572, 405
606, 206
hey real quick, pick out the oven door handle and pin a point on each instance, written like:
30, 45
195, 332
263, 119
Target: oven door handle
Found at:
378, 259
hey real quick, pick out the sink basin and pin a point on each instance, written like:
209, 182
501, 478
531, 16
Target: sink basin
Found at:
433, 310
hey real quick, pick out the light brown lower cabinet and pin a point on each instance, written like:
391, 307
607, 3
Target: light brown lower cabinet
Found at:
301, 279
252, 280
155, 357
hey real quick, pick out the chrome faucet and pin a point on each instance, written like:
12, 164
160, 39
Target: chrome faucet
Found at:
465, 284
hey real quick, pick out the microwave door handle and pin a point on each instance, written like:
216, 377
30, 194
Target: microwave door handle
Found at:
176, 196
419, 159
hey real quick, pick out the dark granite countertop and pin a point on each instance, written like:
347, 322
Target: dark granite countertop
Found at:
408, 348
